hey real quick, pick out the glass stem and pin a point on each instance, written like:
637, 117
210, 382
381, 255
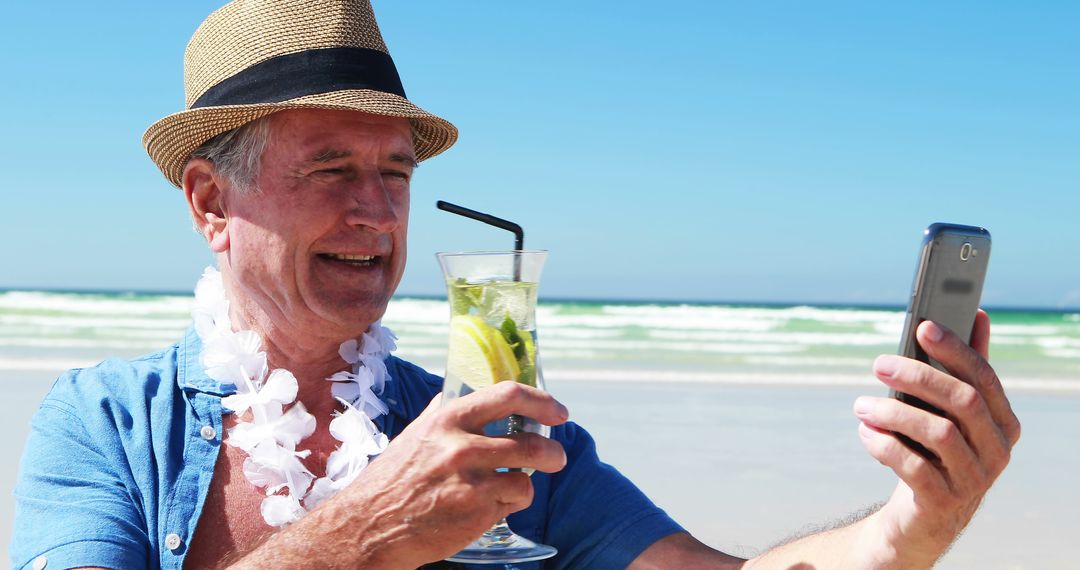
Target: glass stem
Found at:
498, 535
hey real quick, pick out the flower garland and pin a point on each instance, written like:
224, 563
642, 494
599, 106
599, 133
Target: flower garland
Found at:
270, 439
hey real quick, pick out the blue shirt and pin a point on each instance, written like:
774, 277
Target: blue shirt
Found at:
120, 458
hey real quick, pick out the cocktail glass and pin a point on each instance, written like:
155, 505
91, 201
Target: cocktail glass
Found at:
493, 339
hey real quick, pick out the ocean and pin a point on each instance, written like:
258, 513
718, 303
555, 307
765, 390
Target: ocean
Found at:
578, 340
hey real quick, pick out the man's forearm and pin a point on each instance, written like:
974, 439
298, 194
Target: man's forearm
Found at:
327, 538
866, 543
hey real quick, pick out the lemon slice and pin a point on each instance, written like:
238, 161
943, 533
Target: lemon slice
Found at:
479, 355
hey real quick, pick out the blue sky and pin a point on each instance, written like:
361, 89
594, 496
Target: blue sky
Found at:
755, 151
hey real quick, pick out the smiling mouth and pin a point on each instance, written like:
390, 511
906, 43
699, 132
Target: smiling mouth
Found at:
353, 260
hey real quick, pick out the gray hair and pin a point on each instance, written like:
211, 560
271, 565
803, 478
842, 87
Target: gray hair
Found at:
236, 154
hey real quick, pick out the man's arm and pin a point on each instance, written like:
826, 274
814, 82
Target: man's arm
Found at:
935, 498
430, 493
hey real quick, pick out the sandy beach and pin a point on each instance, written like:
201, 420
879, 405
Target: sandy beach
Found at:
743, 467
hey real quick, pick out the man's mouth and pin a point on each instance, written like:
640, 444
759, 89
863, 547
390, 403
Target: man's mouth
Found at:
354, 260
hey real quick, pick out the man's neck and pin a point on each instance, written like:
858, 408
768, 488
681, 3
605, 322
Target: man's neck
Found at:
307, 352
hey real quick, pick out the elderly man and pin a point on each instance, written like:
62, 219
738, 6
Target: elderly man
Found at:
295, 156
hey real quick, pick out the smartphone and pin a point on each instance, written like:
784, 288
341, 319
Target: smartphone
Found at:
947, 287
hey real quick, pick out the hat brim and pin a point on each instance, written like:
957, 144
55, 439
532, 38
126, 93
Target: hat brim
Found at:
171, 140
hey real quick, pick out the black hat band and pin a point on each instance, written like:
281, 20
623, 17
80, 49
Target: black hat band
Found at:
304, 73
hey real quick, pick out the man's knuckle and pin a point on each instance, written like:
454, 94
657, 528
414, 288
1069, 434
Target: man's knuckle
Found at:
985, 376
524, 488
944, 434
1013, 429
916, 467
457, 453
923, 374
967, 400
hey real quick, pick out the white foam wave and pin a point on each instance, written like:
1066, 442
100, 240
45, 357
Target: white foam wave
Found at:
639, 346
68, 342
1068, 353
775, 379
1025, 330
801, 338
1057, 342
808, 361
684, 321
709, 377
75, 303
821, 314
416, 311
54, 365
127, 321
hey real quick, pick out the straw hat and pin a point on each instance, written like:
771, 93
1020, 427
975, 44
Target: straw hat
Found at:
251, 58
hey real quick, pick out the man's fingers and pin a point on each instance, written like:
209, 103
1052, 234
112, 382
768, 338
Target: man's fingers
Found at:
938, 434
504, 399
512, 492
967, 363
519, 451
961, 402
912, 468
980, 334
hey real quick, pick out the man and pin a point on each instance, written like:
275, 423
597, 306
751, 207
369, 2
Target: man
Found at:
295, 157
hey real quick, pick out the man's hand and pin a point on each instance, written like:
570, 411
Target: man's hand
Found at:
937, 497
432, 491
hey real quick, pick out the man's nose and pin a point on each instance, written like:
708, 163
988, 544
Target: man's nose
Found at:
372, 204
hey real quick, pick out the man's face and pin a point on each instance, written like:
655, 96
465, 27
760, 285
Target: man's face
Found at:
320, 243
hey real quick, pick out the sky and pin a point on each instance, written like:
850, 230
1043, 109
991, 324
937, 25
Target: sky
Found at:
686, 150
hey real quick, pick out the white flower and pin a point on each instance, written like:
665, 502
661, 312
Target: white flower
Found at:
360, 440
378, 341
280, 387
356, 430
233, 357
211, 310
280, 510
349, 351
271, 466
357, 389
379, 374
286, 430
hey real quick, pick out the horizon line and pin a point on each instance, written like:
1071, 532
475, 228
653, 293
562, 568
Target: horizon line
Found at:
593, 300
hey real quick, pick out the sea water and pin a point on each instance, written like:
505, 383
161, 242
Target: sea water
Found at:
581, 340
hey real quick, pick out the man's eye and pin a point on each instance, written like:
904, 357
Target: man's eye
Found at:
333, 171
396, 174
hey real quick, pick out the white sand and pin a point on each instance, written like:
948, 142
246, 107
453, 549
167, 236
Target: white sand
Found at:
743, 467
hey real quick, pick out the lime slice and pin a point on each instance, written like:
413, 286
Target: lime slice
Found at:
479, 355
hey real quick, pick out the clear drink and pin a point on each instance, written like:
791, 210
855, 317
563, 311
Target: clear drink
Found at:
497, 316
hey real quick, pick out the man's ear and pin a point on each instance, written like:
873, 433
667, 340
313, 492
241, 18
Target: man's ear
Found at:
206, 201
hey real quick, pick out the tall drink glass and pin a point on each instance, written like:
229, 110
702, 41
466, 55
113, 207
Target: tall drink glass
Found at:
493, 339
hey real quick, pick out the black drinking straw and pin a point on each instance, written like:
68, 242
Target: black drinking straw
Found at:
519, 234
515, 423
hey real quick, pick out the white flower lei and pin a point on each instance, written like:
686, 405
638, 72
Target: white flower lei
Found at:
270, 439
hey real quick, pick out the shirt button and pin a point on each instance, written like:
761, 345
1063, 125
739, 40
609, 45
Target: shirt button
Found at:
40, 562
208, 433
172, 541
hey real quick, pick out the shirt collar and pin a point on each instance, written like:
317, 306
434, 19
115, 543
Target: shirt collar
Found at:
192, 375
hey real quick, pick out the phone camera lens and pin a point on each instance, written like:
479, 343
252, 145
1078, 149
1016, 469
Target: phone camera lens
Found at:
965, 251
